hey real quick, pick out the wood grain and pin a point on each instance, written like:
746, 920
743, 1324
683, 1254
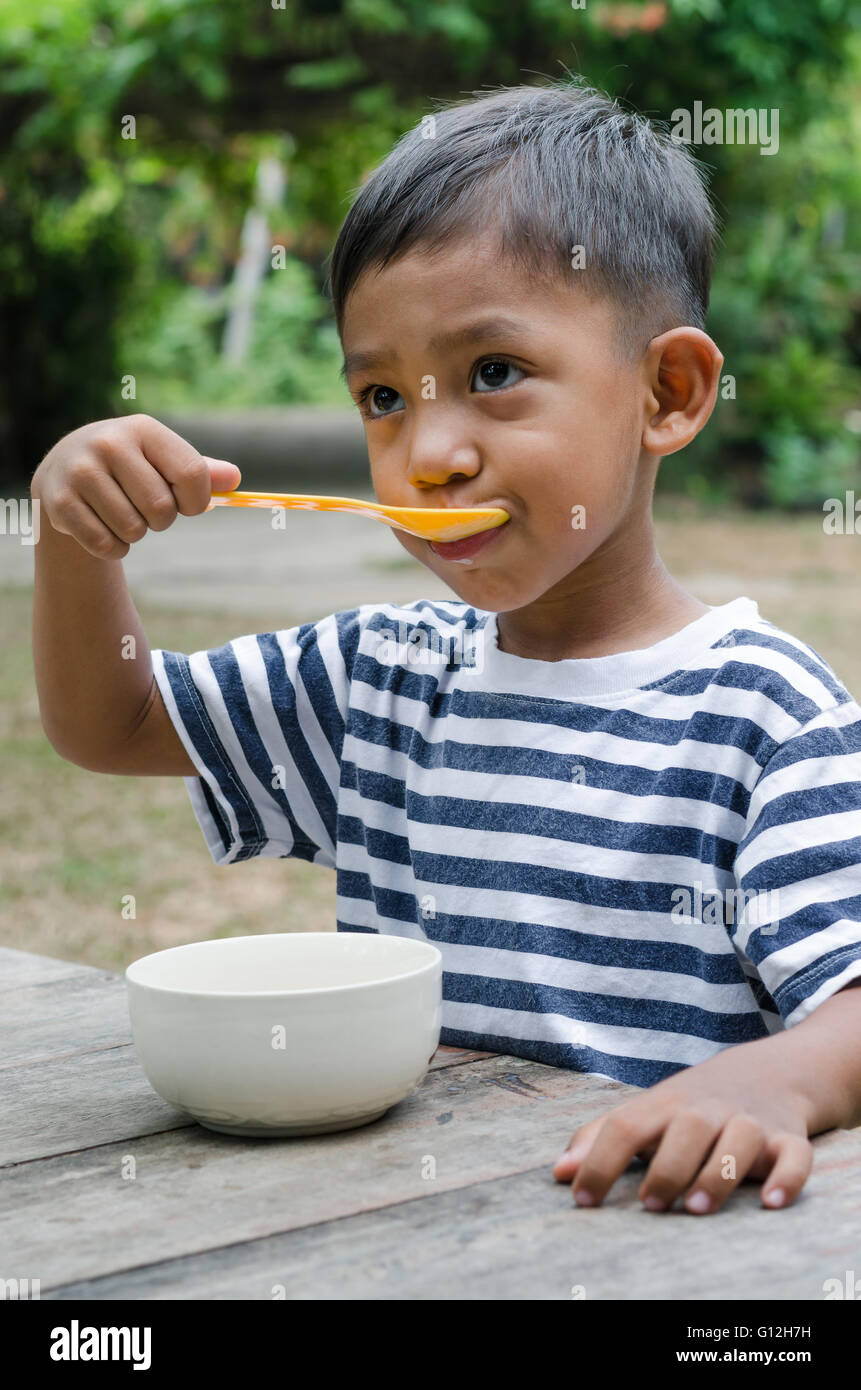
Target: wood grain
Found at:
68, 1013
69, 1075
195, 1190
448, 1196
520, 1237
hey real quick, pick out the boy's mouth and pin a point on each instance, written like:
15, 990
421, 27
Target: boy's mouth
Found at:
465, 549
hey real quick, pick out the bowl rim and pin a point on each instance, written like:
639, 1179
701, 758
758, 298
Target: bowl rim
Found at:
433, 964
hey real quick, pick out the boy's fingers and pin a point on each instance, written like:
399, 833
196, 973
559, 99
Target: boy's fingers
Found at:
77, 519
738, 1146
684, 1148
186, 471
225, 476
104, 495
145, 489
790, 1172
624, 1133
578, 1146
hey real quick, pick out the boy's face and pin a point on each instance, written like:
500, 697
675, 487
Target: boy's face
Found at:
482, 386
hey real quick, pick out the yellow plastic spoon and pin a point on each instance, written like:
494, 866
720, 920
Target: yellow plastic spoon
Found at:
428, 523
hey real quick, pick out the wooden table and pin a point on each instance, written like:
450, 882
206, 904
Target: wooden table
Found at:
108, 1192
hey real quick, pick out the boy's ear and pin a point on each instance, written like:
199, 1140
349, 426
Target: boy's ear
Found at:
682, 375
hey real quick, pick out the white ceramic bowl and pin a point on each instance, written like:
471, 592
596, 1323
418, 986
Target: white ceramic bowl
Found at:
289, 1033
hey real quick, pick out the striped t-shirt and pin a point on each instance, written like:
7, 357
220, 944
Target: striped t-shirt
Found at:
628, 862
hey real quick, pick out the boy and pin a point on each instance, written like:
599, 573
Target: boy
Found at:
580, 781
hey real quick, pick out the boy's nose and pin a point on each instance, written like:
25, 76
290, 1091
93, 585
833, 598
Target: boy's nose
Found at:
433, 461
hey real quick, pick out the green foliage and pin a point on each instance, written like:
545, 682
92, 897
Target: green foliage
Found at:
295, 355
58, 344
116, 256
803, 471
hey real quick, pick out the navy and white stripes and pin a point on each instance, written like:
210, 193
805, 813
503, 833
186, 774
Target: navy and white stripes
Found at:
628, 862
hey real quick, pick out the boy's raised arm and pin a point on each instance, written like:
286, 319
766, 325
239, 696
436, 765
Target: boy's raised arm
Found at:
100, 489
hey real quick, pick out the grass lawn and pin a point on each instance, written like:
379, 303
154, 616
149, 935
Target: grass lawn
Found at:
75, 843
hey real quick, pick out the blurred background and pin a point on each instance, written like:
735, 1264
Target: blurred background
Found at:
172, 176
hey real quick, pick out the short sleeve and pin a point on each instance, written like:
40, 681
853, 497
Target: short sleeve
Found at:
798, 866
263, 718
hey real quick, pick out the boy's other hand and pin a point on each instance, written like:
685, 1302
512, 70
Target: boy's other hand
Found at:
110, 482
705, 1129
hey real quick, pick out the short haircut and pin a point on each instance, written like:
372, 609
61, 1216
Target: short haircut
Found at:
548, 168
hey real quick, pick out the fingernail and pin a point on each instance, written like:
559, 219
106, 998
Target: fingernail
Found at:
575, 1151
654, 1203
584, 1198
776, 1197
698, 1201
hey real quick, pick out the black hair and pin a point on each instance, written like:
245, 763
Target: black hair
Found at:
548, 168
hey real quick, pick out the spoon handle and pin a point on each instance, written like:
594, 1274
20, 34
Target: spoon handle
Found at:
278, 499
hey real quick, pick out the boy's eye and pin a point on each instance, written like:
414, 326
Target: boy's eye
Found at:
495, 373
381, 400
